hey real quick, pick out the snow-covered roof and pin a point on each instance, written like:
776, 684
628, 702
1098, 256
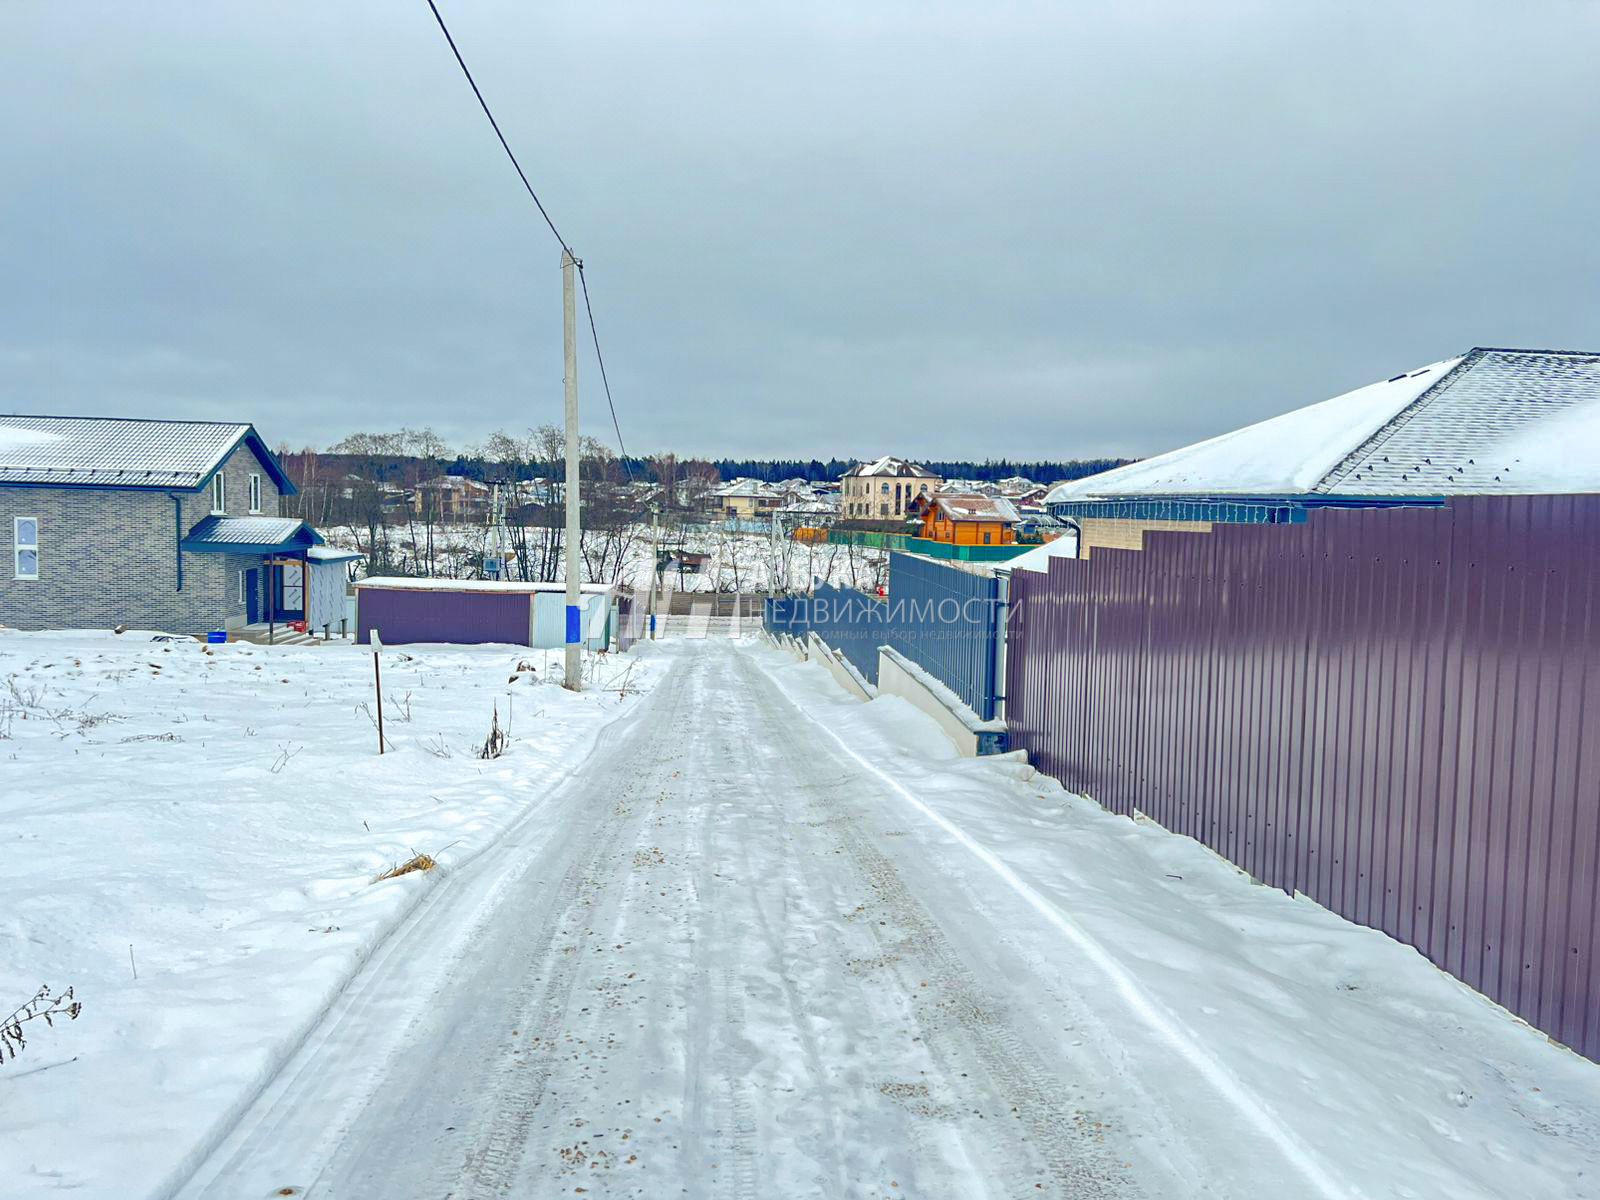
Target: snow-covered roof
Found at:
892, 468
332, 554
121, 451
970, 507
746, 487
404, 584
1493, 420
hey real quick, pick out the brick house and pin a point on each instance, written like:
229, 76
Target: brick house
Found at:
884, 489
169, 525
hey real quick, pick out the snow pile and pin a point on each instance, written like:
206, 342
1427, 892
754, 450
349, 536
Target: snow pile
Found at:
213, 818
1038, 559
1285, 455
1268, 1046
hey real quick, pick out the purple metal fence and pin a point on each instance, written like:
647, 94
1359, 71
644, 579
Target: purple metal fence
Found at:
402, 615
1396, 712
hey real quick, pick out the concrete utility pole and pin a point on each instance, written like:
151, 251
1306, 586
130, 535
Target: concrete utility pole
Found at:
569, 335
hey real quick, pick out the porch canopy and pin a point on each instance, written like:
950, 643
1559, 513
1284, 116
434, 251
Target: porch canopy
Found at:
251, 535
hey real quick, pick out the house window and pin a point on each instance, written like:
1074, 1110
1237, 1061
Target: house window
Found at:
25, 547
243, 594
219, 494
255, 493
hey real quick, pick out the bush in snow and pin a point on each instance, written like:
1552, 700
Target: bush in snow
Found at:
43, 1007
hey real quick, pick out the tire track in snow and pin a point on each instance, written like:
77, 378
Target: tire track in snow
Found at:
1165, 1025
962, 1024
511, 1101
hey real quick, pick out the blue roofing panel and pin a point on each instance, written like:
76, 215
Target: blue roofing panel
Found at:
250, 535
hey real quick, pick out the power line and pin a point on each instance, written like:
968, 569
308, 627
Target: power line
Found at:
600, 358
521, 174
484, 104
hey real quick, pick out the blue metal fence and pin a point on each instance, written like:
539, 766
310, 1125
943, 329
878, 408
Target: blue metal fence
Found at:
946, 620
852, 623
786, 614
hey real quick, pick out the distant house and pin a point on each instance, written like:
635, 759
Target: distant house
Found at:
452, 499
883, 490
1491, 421
169, 525
967, 520
746, 499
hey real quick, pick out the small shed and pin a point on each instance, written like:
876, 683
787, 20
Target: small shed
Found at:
328, 579
476, 611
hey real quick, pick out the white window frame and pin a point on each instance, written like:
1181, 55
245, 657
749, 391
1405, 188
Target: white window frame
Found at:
219, 495
255, 492
18, 546
244, 597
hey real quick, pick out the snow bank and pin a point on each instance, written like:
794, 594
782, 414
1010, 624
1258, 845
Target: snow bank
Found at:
1256, 1025
213, 818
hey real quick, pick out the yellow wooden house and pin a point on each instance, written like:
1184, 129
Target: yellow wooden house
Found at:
967, 520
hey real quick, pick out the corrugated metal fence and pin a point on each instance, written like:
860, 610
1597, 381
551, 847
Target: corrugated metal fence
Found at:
1395, 712
945, 620
851, 622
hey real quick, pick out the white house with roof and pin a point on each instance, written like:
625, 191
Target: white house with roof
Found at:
1489, 421
882, 490
169, 525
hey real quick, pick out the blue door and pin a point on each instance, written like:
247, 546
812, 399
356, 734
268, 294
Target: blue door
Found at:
252, 595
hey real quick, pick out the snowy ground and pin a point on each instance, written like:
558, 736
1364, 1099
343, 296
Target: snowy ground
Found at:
220, 813
765, 941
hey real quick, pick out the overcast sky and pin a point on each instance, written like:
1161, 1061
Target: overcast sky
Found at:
852, 228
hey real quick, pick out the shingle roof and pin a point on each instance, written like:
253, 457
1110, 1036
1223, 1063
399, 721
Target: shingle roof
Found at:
119, 452
1493, 420
1477, 430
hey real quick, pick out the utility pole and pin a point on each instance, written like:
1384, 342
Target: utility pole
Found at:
569, 335
655, 569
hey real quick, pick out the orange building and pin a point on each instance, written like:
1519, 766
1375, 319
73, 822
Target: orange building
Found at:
968, 520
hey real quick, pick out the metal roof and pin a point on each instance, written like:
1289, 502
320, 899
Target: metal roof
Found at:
1493, 420
249, 535
121, 451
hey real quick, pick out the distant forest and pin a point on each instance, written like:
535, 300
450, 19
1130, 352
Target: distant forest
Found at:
772, 470
412, 454
1041, 471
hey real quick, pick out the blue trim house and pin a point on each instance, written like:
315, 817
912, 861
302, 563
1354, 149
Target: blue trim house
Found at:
1490, 421
169, 525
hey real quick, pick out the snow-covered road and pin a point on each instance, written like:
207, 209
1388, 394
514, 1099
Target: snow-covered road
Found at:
705, 974
769, 941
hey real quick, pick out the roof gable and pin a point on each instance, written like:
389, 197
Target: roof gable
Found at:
124, 452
